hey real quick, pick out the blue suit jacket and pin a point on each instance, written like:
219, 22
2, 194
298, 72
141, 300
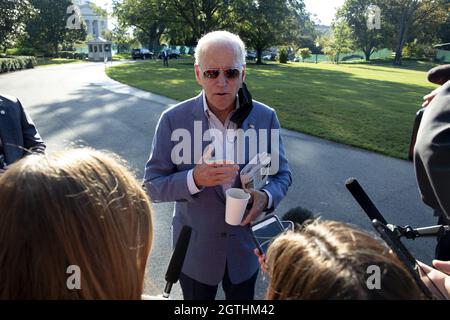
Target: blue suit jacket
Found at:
17, 131
213, 242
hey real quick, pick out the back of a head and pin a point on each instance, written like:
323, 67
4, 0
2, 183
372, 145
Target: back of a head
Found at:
330, 260
76, 208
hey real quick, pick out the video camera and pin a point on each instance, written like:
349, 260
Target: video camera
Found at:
391, 234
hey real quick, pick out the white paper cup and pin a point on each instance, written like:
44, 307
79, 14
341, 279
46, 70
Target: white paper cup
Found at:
236, 204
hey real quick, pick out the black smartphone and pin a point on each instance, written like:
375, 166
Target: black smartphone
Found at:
403, 254
265, 230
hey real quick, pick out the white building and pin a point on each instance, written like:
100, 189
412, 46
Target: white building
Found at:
95, 23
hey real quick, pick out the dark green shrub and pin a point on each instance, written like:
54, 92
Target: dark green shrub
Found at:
13, 63
352, 57
283, 55
20, 52
67, 54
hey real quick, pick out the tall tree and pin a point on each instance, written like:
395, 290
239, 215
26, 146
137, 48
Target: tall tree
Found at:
301, 31
340, 42
366, 37
200, 16
13, 18
266, 23
150, 17
49, 29
410, 17
443, 31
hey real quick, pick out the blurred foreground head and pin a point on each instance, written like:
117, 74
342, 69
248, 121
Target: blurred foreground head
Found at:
440, 74
76, 208
329, 260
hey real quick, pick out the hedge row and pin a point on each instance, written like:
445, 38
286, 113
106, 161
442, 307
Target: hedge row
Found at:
21, 52
16, 63
72, 55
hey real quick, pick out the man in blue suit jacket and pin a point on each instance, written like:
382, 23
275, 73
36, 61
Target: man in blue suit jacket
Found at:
175, 171
18, 135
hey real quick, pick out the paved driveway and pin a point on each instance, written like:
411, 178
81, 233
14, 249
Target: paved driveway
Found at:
77, 104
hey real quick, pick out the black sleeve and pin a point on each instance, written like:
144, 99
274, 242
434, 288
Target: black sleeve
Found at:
31, 139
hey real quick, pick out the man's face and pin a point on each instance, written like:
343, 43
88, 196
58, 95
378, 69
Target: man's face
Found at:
220, 92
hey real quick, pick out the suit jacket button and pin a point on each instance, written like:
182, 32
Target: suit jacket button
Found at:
223, 234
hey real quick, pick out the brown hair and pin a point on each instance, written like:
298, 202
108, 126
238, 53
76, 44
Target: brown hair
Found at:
79, 207
329, 260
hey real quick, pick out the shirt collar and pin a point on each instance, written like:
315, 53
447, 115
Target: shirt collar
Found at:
208, 111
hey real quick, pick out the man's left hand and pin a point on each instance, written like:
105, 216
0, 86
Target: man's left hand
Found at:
260, 201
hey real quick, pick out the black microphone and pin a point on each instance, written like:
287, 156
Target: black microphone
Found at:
364, 201
298, 215
177, 259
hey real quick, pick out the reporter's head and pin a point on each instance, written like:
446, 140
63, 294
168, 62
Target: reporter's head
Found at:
330, 260
75, 208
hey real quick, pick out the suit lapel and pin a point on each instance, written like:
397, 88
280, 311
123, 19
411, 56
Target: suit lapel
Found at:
248, 123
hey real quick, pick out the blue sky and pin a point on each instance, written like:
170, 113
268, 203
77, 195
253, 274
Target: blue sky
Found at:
323, 9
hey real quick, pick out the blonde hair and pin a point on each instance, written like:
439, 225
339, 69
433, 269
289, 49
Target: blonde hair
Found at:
78, 207
329, 260
221, 37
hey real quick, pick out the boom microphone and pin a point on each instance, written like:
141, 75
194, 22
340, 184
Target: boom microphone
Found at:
364, 201
177, 259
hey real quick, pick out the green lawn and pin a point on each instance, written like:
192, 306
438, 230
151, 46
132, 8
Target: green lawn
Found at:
55, 61
371, 106
121, 56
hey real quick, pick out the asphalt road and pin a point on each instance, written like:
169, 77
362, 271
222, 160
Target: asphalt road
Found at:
78, 105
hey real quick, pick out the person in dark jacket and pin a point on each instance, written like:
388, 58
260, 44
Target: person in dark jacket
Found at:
18, 134
432, 154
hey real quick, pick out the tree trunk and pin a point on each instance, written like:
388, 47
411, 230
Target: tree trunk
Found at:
403, 30
150, 44
258, 55
368, 53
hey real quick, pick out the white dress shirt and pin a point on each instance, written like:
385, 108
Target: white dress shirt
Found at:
223, 140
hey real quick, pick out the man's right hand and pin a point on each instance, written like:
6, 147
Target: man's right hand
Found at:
213, 174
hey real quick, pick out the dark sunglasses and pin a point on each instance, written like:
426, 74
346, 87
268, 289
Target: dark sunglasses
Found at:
229, 73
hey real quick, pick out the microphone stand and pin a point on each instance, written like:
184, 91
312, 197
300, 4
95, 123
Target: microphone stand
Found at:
391, 234
412, 233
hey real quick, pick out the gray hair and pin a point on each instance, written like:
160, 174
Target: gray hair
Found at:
221, 37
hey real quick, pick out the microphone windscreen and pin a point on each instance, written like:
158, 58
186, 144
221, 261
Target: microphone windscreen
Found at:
363, 199
178, 255
298, 215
